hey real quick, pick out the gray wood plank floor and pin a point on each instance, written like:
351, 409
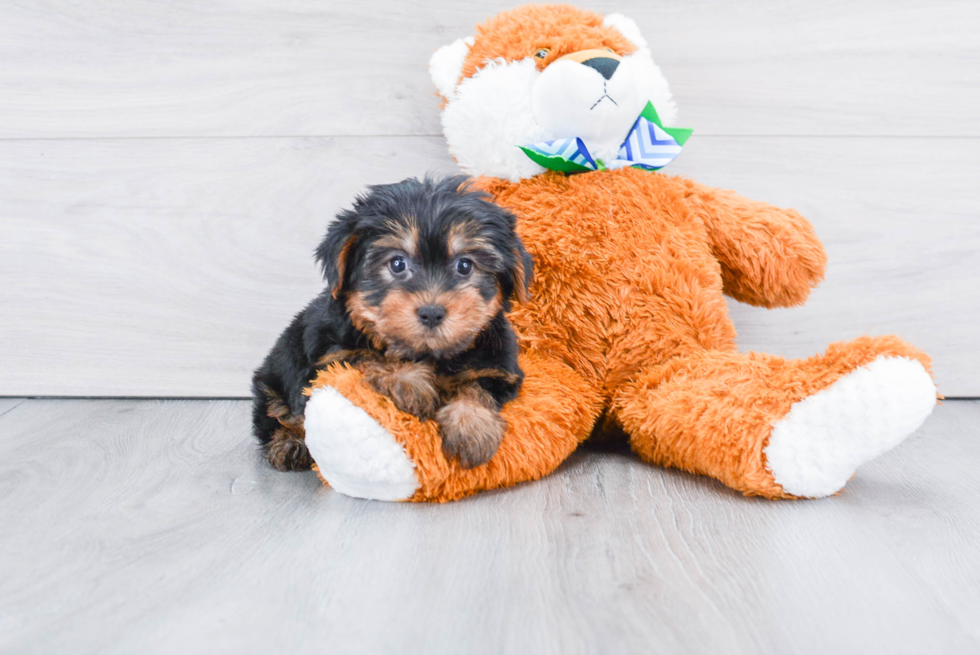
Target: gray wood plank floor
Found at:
153, 527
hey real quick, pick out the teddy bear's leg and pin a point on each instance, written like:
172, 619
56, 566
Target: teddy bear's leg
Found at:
365, 447
773, 427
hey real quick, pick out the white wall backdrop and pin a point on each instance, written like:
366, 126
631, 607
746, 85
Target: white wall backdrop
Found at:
167, 168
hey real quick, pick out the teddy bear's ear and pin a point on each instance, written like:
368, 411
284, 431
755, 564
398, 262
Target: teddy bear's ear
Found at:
447, 64
629, 29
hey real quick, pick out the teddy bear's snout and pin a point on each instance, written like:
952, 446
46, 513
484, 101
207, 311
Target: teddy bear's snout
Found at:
605, 65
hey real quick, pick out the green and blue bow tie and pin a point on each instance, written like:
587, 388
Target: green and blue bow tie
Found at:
649, 145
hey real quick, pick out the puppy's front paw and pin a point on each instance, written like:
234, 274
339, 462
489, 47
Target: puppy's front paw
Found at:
470, 430
289, 455
410, 385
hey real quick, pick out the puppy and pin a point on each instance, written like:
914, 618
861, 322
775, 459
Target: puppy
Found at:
420, 275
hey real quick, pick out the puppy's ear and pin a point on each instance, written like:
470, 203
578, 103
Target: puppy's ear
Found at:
517, 273
335, 252
523, 273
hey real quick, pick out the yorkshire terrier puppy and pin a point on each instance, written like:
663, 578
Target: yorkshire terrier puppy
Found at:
420, 275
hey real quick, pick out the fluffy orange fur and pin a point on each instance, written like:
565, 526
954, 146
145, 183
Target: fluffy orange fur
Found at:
627, 317
559, 29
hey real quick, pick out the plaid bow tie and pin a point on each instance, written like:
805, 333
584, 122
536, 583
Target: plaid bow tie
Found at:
649, 145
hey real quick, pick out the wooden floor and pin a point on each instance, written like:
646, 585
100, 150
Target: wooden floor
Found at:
153, 526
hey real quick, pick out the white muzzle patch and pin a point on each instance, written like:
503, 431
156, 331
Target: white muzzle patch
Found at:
571, 99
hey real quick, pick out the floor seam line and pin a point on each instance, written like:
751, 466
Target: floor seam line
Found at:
2, 414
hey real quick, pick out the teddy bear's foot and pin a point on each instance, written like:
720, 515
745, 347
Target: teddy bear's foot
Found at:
816, 448
773, 427
353, 452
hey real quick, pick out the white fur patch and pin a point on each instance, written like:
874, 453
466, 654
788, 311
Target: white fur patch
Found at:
490, 116
446, 65
354, 453
815, 449
652, 84
570, 99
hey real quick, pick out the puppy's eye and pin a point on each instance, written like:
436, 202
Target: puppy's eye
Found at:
397, 265
542, 53
464, 266
609, 49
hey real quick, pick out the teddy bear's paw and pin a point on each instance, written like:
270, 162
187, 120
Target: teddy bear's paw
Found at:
354, 453
815, 449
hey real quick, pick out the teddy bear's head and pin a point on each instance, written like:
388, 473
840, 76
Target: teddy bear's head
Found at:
543, 72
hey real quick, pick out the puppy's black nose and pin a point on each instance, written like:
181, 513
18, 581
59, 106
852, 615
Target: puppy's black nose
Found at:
605, 65
431, 315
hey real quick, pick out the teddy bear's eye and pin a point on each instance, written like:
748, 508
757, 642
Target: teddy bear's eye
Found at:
542, 53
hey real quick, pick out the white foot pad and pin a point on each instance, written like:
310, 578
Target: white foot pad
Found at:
354, 453
815, 449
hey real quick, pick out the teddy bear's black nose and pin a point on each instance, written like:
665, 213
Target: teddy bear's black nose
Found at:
431, 315
605, 65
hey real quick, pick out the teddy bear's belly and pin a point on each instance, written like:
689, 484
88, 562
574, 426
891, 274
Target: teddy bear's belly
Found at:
624, 274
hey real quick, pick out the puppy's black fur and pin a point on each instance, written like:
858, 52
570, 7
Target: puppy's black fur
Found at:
402, 250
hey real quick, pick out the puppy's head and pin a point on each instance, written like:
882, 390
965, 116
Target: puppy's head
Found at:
423, 266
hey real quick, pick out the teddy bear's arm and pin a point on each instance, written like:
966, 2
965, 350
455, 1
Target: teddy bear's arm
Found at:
364, 446
770, 257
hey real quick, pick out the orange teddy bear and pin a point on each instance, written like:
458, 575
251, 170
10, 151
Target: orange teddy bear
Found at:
627, 330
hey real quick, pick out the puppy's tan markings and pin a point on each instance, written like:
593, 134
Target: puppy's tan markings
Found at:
465, 238
402, 237
456, 238
470, 426
287, 452
410, 385
399, 320
466, 315
364, 316
521, 291
278, 409
342, 266
395, 325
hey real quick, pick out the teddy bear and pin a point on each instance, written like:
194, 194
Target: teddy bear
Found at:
626, 333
